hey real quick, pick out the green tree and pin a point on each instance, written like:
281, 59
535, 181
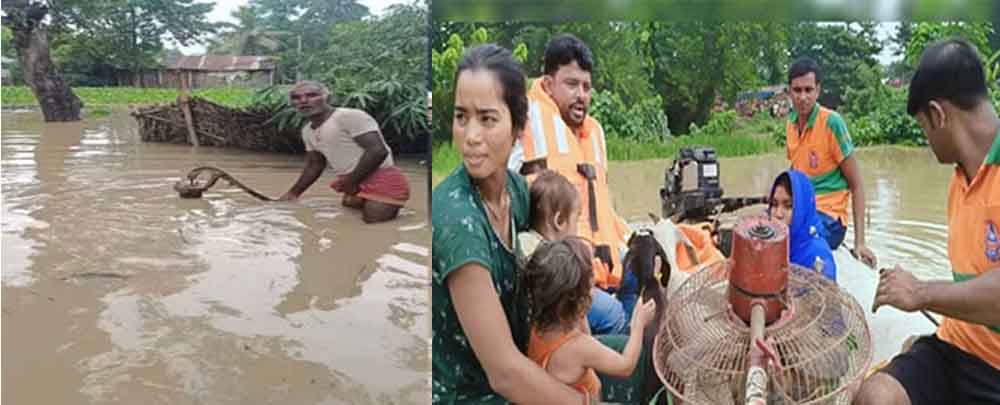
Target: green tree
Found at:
924, 33
249, 36
126, 33
304, 26
444, 63
840, 50
13, 68
379, 65
696, 61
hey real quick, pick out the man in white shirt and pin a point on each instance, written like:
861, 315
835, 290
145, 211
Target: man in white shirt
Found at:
350, 143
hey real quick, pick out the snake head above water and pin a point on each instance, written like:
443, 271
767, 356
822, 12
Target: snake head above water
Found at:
188, 189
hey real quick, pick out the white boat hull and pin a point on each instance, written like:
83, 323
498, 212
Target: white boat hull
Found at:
890, 327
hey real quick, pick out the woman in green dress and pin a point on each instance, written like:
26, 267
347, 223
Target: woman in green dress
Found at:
477, 211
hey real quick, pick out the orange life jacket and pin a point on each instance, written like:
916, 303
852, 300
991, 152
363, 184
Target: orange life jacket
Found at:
548, 137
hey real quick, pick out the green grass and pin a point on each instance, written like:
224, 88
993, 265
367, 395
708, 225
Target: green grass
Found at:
12, 96
446, 158
99, 112
725, 146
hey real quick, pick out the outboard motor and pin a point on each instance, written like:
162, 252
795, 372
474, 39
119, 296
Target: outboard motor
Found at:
692, 193
691, 185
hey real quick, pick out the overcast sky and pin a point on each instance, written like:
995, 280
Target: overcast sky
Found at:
223, 9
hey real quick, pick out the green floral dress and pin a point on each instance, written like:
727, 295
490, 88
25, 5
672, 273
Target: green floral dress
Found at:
462, 234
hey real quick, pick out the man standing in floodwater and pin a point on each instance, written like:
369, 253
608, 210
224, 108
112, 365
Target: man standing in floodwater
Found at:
960, 362
350, 143
818, 145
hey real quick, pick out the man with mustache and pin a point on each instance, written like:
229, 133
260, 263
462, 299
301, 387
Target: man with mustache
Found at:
561, 136
349, 142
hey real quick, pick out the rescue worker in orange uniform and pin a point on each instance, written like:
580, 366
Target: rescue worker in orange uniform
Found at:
960, 363
561, 136
819, 145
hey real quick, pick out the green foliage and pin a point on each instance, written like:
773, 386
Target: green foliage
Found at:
375, 64
111, 96
94, 38
718, 59
876, 113
924, 33
840, 50
639, 121
736, 145
274, 99
99, 112
649, 74
14, 68
296, 31
444, 64
90, 40
445, 158
721, 124
620, 75
249, 36
379, 65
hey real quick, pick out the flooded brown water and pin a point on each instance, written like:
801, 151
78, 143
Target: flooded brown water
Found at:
117, 291
906, 190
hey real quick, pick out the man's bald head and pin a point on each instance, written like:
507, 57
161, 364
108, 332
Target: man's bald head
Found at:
311, 99
318, 86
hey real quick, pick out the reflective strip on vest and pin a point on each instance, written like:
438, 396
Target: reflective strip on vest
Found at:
597, 149
604, 146
561, 142
537, 131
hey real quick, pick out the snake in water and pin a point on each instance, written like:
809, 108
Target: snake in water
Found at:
192, 187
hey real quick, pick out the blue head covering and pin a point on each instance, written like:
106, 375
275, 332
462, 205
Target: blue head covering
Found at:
805, 241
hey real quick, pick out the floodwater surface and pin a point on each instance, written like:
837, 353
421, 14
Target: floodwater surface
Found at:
115, 290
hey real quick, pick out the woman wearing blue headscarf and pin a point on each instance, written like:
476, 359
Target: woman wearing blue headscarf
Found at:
793, 202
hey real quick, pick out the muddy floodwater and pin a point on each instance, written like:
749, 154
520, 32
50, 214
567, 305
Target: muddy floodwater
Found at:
906, 190
115, 290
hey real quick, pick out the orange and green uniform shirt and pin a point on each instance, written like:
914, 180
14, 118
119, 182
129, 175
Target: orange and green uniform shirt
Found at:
974, 249
818, 152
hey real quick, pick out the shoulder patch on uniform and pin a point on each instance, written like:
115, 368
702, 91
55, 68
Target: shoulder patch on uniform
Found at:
992, 242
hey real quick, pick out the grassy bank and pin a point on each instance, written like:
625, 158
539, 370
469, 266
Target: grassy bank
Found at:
446, 158
20, 96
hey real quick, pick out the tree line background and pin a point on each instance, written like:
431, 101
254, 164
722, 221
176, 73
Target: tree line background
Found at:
377, 63
657, 81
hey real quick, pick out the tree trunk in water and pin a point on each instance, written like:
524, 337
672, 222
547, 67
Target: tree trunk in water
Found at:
52, 92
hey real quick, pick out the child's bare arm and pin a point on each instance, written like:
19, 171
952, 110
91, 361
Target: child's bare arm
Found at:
606, 361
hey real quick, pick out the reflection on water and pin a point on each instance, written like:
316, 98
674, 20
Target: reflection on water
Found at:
906, 190
116, 290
